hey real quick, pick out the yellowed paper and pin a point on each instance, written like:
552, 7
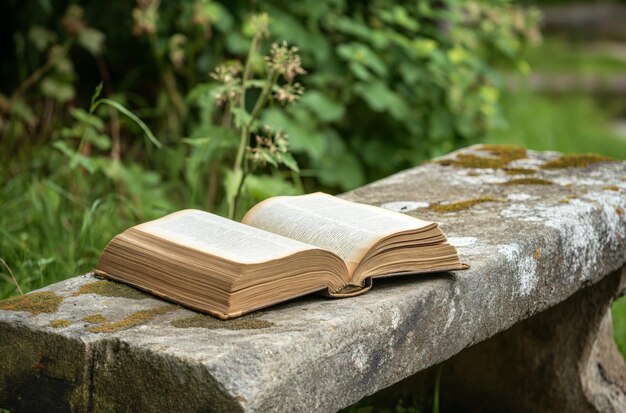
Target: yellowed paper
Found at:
222, 237
348, 229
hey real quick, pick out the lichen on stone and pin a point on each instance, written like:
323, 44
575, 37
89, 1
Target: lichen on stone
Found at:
503, 154
611, 187
132, 320
458, 206
61, 323
575, 161
248, 322
528, 181
519, 171
95, 319
111, 289
34, 303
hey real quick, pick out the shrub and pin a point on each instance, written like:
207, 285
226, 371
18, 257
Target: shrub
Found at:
388, 85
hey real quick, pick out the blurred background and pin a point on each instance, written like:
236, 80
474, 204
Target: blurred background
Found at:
388, 84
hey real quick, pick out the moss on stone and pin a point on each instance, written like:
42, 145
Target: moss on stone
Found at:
95, 319
611, 188
563, 201
61, 323
458, 206
537, 253
34, 303
503, 154
248, 322
474, 161
111, 289
519, 171
575, 161
619, 211
132, 320
528, 181
510, 152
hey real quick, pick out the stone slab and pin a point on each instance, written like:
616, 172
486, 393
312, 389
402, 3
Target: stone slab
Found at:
530, 248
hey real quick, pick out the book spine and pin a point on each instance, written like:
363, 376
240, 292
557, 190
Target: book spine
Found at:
350, 290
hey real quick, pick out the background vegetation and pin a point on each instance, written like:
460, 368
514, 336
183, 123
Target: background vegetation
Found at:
387, 85
371, 88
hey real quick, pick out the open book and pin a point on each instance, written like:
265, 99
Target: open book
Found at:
285, 247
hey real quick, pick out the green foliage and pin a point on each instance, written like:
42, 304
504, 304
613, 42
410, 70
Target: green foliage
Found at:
417, 75
270, 147
618, 312
388, 85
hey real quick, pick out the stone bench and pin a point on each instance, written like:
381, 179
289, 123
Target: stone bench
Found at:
547, 248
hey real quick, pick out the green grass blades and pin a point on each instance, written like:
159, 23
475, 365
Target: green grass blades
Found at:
570, 124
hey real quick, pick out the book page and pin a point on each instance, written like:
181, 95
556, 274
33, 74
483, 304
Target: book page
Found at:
222, 237
346, 228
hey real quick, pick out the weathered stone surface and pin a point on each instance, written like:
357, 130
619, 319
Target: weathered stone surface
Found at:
530, 247
563, 359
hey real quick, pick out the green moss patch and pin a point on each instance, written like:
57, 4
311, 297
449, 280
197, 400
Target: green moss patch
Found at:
34, 303
111, 289
132, 320
528, 181
458, 206
520, 171
60, 323
95, 319
502, 155
619, 211
510, 152
611, 188
575, 161
248, 322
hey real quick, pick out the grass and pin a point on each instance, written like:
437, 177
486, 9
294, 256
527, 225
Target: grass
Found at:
556, 56
570, 124
48, 234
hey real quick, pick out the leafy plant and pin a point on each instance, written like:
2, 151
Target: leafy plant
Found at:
270, 148
389, 84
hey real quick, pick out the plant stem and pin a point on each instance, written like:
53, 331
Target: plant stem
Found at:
243, 138
436, 394
242, 106
272, 77
12, 275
